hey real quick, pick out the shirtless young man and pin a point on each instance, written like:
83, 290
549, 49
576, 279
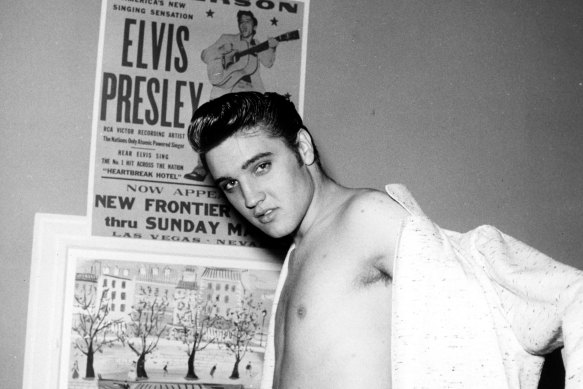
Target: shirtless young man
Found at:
334, 314
473, 310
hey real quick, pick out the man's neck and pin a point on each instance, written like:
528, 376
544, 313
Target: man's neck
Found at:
327, 197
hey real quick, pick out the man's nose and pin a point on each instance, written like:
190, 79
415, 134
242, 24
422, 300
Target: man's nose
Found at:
252, 196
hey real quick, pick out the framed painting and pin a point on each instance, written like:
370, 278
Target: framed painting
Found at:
123, 313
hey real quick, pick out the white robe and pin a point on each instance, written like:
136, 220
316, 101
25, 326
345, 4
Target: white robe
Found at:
472, 310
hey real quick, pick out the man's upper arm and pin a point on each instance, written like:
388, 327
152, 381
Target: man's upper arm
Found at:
375, 224
267, 57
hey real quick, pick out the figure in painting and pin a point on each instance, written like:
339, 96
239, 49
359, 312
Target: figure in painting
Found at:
132, 374
75, 370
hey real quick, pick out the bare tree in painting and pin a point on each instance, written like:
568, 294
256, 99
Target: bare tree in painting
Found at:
146, 326
92, 326
242, 325
195, 323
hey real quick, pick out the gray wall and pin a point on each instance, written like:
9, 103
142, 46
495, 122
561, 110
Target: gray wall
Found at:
475, 106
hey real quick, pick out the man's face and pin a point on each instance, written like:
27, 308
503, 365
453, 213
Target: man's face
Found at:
246, 26
263, 179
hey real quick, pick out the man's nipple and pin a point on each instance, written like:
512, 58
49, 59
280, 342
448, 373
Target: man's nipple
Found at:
301, 311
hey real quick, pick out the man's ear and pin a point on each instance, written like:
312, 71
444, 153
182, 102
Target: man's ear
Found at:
306, 147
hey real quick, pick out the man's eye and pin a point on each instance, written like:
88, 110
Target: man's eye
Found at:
228, 186
263, 167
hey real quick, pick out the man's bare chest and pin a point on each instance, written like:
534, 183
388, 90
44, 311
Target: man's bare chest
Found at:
321, 283
320, 303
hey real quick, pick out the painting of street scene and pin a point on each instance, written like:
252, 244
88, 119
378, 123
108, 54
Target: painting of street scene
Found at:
159, 325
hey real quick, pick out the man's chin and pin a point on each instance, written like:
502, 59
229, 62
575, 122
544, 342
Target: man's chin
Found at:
273, 231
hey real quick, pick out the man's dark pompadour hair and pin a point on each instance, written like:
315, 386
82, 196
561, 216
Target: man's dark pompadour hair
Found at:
221, 118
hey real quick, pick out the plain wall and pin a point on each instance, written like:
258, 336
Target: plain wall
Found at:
475, 106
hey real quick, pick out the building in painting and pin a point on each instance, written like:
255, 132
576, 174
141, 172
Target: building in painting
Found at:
189, 293
222, 289
186, 298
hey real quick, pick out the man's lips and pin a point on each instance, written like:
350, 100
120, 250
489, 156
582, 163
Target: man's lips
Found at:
265, 216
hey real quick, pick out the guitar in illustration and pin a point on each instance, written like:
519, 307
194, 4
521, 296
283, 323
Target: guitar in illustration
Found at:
226, 70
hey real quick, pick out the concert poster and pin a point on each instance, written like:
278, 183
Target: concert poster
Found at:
158, 61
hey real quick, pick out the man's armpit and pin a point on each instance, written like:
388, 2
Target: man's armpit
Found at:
373, 275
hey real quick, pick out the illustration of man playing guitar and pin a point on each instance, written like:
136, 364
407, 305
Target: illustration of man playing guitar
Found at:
233, 60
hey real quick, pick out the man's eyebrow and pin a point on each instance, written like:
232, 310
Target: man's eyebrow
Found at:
221, 179
245, 165
254, 159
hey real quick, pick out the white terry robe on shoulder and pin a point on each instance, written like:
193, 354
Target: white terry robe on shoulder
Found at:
472, 310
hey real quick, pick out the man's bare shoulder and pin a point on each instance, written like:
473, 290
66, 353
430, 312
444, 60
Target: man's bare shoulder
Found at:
372, 208
368, 227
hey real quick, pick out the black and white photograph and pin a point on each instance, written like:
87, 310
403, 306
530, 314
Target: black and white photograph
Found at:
291, 194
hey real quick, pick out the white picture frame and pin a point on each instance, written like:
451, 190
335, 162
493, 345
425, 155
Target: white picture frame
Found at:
62, 243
